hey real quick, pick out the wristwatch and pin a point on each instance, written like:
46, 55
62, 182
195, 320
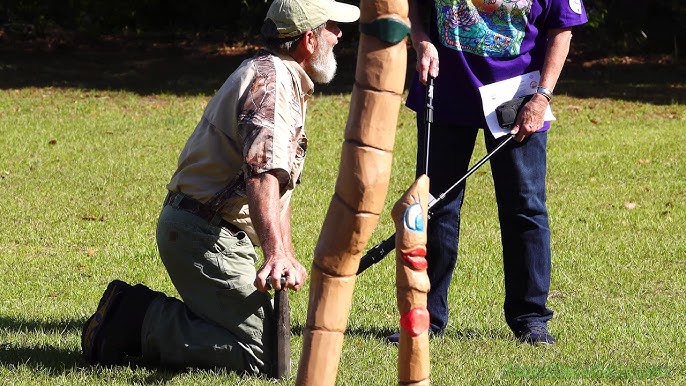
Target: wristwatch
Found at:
545, 92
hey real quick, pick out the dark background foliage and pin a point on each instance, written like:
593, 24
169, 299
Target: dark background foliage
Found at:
628, 50
230, 20
616, 27
634, 27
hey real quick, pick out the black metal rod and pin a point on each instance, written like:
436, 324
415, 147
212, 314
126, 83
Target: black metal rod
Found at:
428, 121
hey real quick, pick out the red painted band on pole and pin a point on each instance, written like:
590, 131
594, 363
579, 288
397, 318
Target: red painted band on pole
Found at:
415, 321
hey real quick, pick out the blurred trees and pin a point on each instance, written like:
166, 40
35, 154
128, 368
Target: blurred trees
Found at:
237, 19
633, 27
616, 27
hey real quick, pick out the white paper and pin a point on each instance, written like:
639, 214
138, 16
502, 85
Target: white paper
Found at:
492, 95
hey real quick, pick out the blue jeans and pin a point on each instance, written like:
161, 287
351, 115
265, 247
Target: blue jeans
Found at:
519, 172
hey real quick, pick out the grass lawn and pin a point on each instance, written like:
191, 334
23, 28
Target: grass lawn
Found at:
83, 173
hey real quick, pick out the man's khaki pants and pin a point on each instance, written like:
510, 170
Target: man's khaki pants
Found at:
223, 320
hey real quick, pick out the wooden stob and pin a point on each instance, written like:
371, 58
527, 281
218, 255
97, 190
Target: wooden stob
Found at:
283, 333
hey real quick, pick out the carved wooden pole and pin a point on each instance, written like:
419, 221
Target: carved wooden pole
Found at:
361, 186
412, 283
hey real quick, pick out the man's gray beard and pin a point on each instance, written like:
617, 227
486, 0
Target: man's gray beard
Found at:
322, 66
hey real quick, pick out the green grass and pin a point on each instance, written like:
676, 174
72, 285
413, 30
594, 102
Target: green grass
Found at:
83, 174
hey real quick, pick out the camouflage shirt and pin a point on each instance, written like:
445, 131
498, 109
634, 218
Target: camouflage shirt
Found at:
255, 123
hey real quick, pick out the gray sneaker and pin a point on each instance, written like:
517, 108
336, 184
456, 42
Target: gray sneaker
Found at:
536, 335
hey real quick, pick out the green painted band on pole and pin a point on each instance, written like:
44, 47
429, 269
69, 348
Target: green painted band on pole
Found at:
388, 29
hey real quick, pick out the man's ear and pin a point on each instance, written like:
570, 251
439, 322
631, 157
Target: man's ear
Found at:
304, 50
309, 42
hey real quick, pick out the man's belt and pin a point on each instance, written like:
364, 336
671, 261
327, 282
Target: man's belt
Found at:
183, 202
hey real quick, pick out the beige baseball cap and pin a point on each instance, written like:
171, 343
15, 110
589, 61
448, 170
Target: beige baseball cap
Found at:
290, 18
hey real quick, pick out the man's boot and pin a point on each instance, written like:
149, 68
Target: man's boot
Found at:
114, 330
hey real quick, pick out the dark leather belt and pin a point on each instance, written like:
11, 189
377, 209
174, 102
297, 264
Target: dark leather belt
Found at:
181, 201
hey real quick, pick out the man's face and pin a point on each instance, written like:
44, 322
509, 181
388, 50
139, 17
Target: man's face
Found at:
322, 65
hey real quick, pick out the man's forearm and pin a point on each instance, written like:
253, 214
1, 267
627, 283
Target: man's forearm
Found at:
286, 238
427, 55
274, 232
263, 201
558, 47
418, 31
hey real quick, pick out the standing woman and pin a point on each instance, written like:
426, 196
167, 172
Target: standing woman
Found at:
466, 44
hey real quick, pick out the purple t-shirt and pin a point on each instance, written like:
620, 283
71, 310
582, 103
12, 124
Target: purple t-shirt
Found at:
484, 41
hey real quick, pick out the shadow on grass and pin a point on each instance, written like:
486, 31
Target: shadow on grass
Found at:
187, 66
382, 333
648, 80
56, 360
52, 360
68, 325
142, 66
364, 332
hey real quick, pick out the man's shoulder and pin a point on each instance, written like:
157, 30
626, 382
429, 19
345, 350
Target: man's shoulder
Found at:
262, 66
273, 68
266, 73
268, 60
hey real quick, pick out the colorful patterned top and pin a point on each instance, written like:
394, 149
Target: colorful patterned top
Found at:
484, 41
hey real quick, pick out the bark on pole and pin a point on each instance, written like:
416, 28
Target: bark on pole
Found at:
361, 186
